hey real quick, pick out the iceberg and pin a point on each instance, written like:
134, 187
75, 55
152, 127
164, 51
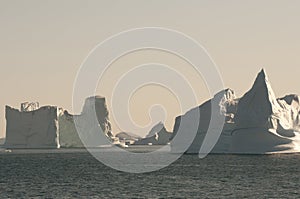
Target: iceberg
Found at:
226, 103
2, 141
127, 138
52, 127
158, 135
69, 136
257, 123
264, 124
32, 129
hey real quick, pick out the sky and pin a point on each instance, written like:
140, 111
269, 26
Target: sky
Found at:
44, 43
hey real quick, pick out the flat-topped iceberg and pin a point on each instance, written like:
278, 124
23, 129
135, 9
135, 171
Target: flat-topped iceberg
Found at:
32, 129
52, 127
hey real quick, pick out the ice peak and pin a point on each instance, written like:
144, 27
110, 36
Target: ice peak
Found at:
263, 86
263, 72
261, 78
258, 104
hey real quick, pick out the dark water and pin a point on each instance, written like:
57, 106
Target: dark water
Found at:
72, 175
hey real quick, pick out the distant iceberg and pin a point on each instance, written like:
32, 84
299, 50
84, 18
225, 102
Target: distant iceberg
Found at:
158, 135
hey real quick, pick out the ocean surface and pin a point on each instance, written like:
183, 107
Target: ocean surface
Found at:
79, 175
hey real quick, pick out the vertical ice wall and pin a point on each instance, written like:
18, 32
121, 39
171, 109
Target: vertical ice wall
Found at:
225, 101
50, 127
32, 129
68, 131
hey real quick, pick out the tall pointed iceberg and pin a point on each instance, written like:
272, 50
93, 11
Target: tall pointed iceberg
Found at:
265, 124
258, 106
257, 123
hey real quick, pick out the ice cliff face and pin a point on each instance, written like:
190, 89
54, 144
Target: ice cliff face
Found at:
258, 106
99, 104
68, 136
32, 129
67, 129
226, 104
290, 103
50, 127
265, 124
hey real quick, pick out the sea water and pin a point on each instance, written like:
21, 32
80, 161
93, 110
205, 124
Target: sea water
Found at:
79, 175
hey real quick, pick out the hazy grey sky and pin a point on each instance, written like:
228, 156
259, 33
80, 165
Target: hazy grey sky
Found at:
43, 43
